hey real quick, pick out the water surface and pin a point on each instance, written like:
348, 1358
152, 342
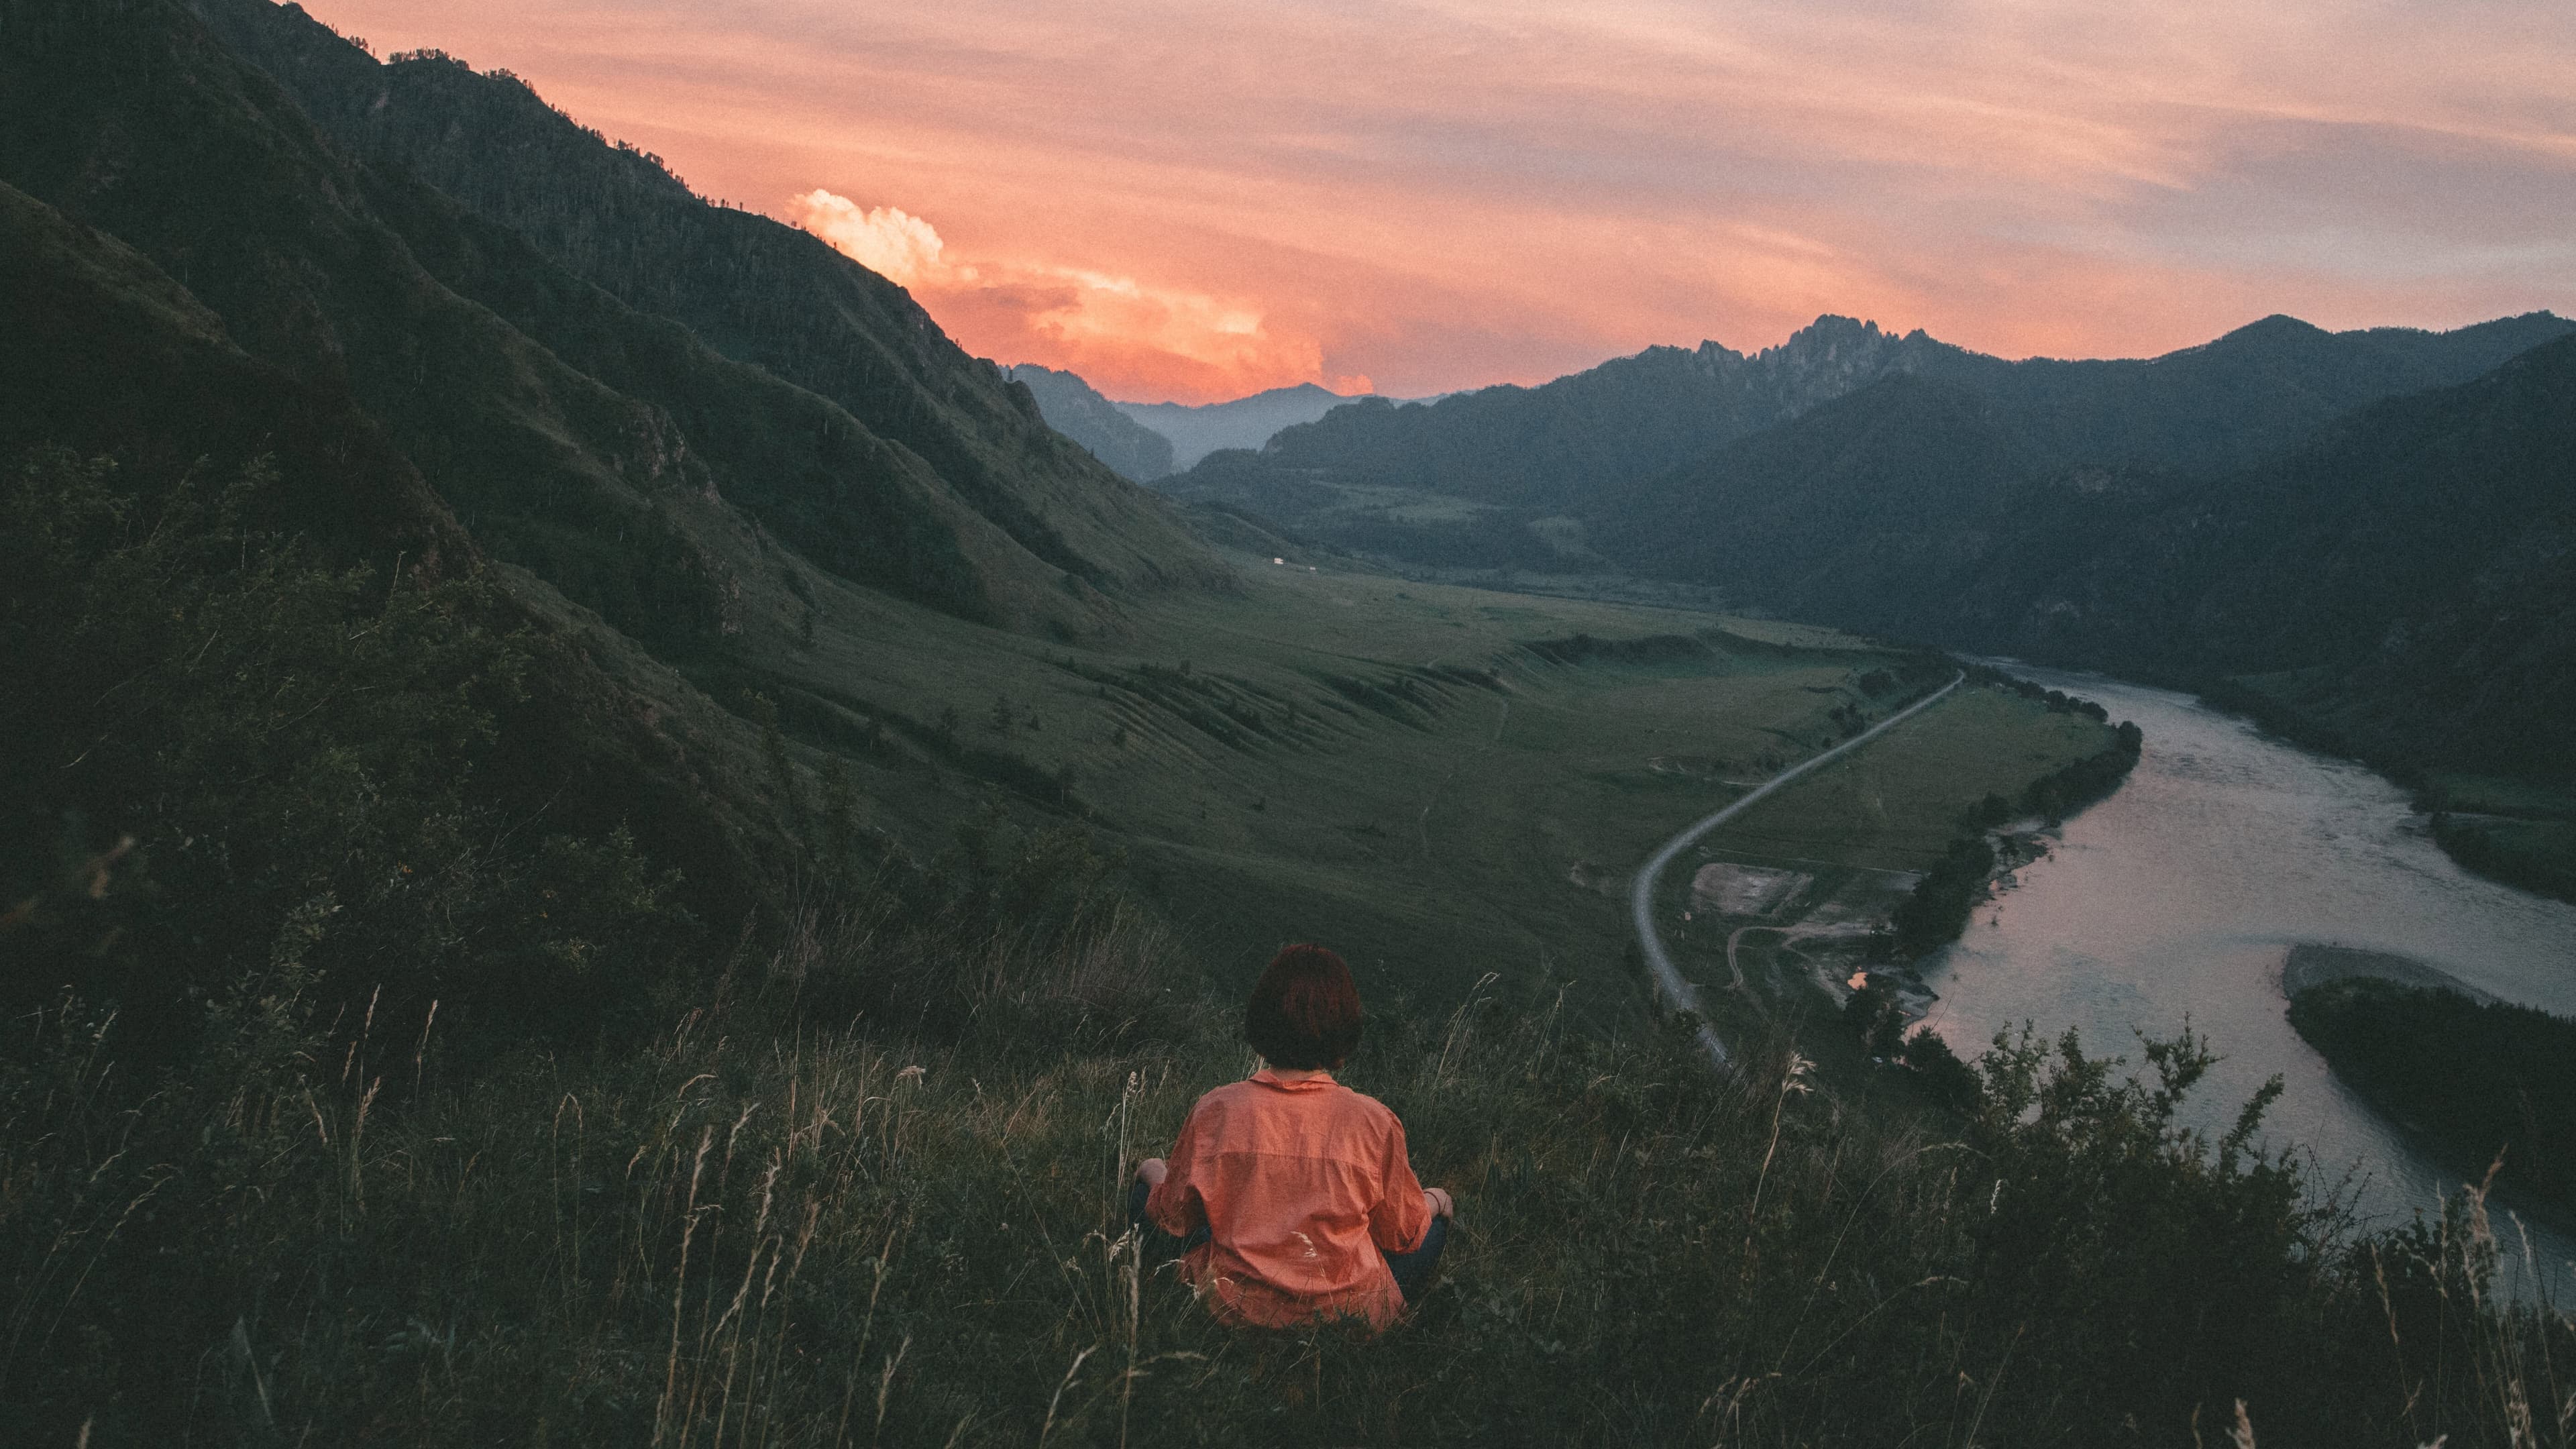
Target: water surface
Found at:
2178, 898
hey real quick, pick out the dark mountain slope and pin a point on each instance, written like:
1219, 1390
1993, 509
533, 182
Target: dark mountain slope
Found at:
108, 356
571, 452
1546, 447
2406, 583
2410, 579
1865, 509
1077, 410
753, 290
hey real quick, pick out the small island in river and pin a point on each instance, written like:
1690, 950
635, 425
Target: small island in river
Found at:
2473, 1076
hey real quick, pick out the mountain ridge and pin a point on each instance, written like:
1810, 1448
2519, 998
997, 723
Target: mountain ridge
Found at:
1547, 448
750, 289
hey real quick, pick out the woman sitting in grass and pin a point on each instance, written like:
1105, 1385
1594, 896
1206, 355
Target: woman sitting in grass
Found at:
1289, 1193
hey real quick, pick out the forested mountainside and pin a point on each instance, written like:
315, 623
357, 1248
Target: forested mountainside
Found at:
2407, 581
1198, 429
1077, 410
1552, 448
749, 288
199, 272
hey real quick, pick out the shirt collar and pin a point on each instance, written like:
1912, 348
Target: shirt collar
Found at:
1318, 1082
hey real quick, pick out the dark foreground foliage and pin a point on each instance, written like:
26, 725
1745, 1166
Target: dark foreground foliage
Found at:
768, 1225
2481, 1081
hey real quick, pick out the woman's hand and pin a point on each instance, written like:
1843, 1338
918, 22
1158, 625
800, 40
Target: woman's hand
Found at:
1152, 1171
1438, 1198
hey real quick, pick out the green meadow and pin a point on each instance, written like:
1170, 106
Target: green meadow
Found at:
1437, 780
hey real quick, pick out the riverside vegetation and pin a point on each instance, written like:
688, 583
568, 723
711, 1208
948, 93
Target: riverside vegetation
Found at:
2483, 1082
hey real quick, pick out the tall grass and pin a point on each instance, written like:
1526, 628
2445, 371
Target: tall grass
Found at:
778, 1224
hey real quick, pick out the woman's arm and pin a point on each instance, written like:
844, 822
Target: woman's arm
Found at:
1173, 1204
1404, 1209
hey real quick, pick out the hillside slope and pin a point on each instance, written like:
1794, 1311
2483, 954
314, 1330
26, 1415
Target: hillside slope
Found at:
2407, 582
584, 737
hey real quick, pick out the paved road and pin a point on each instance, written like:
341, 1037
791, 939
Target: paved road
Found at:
1669, 984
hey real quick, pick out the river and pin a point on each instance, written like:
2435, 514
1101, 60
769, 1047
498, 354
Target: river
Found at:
2179, 897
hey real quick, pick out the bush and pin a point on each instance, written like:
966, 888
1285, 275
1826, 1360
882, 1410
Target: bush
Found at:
1951, 1082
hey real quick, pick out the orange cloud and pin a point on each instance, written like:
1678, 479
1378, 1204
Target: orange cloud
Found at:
1127, 337
891, 243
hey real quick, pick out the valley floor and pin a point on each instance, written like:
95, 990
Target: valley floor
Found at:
1442, 782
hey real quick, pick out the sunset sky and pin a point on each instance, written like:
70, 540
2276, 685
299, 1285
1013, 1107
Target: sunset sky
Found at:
1195, 201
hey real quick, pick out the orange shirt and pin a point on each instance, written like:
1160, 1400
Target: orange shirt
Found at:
1300, 1184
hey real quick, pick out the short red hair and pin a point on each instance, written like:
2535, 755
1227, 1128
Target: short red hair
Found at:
1305, 1010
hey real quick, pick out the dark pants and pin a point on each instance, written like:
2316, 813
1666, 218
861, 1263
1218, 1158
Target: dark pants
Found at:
1412, 1270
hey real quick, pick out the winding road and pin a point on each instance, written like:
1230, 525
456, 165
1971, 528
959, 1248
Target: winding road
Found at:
1676, 992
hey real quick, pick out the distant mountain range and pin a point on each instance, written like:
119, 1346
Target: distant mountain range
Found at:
1149, 441
1556, 445
2368, 532
1197, 430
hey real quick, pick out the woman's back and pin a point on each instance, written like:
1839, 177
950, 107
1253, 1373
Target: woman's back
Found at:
1303, 1186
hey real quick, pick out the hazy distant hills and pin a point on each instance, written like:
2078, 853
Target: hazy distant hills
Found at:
1072, 407
1147, 441
1197, 430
